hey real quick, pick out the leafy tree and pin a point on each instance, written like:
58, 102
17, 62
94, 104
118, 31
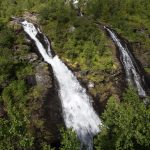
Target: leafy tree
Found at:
6, 38
126, 125
69, 140
45, 146
14, 128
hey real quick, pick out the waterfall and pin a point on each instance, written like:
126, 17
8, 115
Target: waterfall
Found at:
76, 6
78, 112
129, 64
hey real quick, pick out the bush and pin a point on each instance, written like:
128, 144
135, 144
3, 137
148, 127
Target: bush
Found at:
69, 140
126, 125
6, 38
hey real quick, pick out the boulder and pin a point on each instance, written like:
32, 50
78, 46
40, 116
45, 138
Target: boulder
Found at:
30, 57
31, 81
14, 24
43, 76
91, 85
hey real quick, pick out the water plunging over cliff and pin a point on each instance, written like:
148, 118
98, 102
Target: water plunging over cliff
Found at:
129, 64
78, 112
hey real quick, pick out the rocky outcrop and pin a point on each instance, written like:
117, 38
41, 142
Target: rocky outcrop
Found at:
51, 106
31, 16
46, 113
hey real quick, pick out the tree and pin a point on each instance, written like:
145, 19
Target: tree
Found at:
6, 38
126, 125
69, 140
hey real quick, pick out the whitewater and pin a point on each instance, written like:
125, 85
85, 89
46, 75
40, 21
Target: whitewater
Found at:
129, 65
78, 112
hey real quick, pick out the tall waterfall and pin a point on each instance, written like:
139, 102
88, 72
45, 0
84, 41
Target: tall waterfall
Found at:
78, 112
129, 65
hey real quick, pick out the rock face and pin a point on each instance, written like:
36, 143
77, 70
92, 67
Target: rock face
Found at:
52, 106
49, 106
46, 113
142, 55
31, 16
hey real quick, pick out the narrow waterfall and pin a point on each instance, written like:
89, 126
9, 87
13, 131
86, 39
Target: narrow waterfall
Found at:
132, 73
78, 112
76, 6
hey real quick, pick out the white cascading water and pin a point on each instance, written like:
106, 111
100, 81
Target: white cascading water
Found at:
128, 64
78, 112
76, 6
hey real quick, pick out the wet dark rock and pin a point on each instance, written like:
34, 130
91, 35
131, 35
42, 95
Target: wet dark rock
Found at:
31, 81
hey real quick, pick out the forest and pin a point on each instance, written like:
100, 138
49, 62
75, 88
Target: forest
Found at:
84, 46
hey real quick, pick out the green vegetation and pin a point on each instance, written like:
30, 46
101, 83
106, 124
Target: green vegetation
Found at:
129, 17
74, 38
80, 43
69, 140
84, 47
14, 96
126, 125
